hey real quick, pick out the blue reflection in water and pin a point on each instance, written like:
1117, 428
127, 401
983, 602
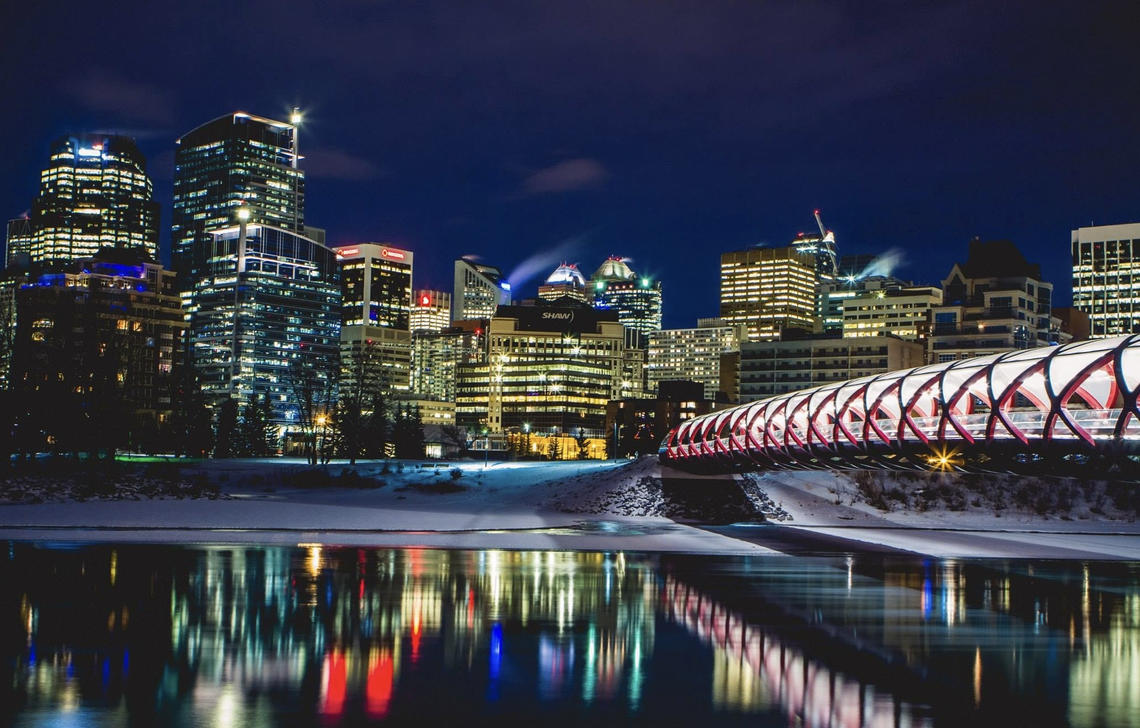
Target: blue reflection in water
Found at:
398, 635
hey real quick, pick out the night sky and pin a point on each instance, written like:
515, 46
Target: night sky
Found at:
664, 131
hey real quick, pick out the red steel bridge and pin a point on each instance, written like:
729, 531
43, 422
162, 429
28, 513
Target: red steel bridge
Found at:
1046, 409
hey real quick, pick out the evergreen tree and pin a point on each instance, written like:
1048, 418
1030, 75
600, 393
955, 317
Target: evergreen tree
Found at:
583, 444
256, 433
225, 440
376, 430
554, 449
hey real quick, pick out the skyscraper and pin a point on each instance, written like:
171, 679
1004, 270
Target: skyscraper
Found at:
479, 290
692, 355
375, 341
768, 290
636, 299
377, 285
565, 282
431, 312
18, 241
272, 330
236, 160
94, 194
1106, 278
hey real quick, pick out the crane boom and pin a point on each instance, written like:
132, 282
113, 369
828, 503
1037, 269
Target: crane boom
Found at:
819, 221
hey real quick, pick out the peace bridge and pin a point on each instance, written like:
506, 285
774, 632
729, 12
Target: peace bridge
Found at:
1052, 409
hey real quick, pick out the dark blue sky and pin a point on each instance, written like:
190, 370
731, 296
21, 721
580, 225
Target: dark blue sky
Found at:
664, 131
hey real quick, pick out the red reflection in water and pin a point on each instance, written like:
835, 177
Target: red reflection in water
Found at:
332, 699
378, 692
416, 636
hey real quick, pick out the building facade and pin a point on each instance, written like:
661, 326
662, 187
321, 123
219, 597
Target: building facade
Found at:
768, 290
550, 369
431, 312
636, 299
769, 368
94, 194
18, 241
886, 306
993, 302
264, 319
479, 290
108, 330
436, 358
234, 161
376, 282
1106, 278
692, 355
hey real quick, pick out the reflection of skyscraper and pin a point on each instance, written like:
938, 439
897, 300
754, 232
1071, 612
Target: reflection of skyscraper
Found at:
94, 193
236, 160
479, 290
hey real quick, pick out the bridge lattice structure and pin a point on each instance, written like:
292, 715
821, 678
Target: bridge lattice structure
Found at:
1045, 407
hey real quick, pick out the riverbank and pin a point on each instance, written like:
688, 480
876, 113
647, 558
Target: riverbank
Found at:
586, 505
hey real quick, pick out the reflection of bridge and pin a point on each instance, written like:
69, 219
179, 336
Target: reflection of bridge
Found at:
1057, 405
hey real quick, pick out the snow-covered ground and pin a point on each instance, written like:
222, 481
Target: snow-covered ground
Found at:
597, 505
531, 505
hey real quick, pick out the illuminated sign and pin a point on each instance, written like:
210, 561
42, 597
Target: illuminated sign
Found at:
346, 252
425, 301
391, 254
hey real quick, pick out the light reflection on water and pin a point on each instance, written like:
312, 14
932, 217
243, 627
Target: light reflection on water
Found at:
236, 636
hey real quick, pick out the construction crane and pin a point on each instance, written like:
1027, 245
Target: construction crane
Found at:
819, 221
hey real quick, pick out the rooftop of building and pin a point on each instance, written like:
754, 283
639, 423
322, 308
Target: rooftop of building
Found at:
567, 273
614, 268
997, 259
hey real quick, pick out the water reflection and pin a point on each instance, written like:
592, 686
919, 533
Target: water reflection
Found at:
338, 636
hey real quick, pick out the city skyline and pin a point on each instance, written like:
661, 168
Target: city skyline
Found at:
910, 128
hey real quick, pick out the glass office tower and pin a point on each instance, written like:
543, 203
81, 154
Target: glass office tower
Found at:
270, 326
94, 194
236, 160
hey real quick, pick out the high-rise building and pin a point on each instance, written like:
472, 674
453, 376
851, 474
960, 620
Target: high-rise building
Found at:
18, 241
1106, 278
437, 356
109, 327
565, 282
11, 280
431, 312
479, 290
376, 307
769, 368
636, 299
235, 161
888, 306
271, 330
94, 194
692, 355
822, 248
551, 369
995, 301
768, 290
377, 283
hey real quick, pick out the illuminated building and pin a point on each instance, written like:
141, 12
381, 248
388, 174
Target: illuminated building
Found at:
551, 369
994, 302
692, 355
639, 423
1106, 278
479, 290
883, 306
768, 290
777, 367
436, 358
18, 241
236, 160
566, 281
377, 285
94, 194
636, 299
376, 306
431, 312
11, 279
112, 322
265, 318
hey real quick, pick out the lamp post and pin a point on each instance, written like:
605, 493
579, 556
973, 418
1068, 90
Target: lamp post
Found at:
486, 448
